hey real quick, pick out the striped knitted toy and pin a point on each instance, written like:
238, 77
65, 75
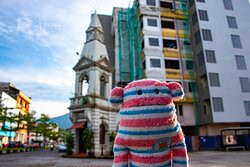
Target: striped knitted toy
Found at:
149, 134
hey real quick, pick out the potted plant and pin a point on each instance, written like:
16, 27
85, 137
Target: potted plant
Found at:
88, 141
111, 140
69, 142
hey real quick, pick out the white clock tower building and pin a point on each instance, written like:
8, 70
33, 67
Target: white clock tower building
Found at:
92, 110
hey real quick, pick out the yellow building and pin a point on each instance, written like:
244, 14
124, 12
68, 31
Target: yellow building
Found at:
22, 106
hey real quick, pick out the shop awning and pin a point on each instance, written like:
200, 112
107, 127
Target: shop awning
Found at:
78, 125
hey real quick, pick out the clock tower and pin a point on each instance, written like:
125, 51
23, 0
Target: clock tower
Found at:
91, 110
95, 31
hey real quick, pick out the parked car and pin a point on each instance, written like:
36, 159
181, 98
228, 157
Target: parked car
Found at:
15, 144
28, 145
61, 147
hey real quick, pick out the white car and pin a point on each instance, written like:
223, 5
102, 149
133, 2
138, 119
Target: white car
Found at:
61, 147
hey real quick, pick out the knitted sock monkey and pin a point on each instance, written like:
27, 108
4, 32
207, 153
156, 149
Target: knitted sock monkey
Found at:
149, 134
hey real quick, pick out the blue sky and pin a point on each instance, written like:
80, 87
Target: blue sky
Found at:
38, 45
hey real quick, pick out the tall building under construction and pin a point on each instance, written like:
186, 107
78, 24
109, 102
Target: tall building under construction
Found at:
202, 44
153, 41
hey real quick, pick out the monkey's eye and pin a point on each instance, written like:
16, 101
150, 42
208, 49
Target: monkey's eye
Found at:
157, 91
139, 92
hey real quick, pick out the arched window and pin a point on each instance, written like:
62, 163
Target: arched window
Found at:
102, 86
84, 85
102, 133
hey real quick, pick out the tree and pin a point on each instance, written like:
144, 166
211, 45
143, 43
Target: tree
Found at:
30, 121
44, 126
53, 135
88, 139
112, 139
69, 142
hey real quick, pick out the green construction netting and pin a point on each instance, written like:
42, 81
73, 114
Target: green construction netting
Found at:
129, 30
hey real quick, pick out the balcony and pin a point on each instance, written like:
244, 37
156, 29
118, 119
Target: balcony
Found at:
176, 74
171, 52
167, 32
149, 10
80, 101
171, 13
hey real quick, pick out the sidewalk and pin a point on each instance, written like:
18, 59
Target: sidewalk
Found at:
220, 159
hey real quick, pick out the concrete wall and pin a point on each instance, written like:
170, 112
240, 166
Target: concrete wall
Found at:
229, 89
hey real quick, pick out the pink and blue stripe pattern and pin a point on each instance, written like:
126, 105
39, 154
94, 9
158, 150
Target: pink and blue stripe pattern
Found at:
149, 134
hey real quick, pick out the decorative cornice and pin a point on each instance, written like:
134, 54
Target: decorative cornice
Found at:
92, 63
97, 106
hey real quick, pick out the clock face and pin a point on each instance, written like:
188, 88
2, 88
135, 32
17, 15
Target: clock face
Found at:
95, 34
100, 36
90, 35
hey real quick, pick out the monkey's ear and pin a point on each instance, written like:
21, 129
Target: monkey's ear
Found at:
176, 90
116, 96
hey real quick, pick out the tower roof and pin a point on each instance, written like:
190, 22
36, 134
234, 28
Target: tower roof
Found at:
95, 23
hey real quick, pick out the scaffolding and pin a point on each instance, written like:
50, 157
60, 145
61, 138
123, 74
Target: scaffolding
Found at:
129, 43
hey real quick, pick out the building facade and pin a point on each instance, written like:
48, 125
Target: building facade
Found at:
22, 103
9, 103
220, 42
89, 107
153, 41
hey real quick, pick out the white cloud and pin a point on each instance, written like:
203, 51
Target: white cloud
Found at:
52, 108
60, 27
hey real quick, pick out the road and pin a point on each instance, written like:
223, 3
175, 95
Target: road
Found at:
54, 159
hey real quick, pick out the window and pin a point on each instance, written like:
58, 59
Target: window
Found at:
191, 2
197, 37
191, 86
142, 44
201, 1
151, 2
194, 18
142, 23
189, 65
201, 60
84, 83
169, 43
155, 63
247, 107
153, 41
144, 64
214, 79
231, 21
207, 36
228, 4
206, 106
210, 55
166, 5
236, 41
152, 22
240, 62
167, 24
218, 104
203, 15
244, 84
102, 87
173, 64
179, 110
